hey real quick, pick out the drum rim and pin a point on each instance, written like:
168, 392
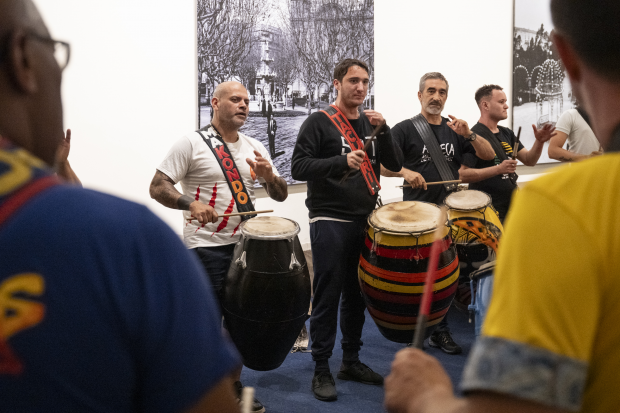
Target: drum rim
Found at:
377, 228
288, 235
469, 209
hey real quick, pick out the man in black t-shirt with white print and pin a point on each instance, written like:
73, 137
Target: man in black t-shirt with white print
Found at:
458, 144
493, 176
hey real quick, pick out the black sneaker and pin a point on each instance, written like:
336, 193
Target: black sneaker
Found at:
443, 340
323, 386
359, 372
257, 407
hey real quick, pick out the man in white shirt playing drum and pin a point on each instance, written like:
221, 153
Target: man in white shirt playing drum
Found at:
206, 191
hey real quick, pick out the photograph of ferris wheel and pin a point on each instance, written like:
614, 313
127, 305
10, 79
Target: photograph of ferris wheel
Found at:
541, 91
284, 52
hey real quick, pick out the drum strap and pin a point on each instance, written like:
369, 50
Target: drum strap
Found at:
439, 160
346, 130
229, 169
486, 133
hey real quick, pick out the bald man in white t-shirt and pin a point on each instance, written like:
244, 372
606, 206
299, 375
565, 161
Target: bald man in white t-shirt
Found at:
206, 193
582, 143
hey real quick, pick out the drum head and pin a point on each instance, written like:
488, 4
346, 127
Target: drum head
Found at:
469, 200
405, 217
270, 228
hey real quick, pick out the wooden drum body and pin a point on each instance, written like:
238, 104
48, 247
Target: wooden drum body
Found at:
267, 292
393, 266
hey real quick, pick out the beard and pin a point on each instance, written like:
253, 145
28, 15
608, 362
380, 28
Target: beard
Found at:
433, 109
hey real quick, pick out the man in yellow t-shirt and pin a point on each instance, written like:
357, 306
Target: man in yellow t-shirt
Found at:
550, 339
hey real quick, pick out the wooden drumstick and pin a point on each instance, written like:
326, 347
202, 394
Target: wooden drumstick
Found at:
247, 399
516, 148
456, 181
238, 214
433, 263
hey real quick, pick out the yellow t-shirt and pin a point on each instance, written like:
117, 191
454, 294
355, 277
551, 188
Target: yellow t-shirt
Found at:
555, 308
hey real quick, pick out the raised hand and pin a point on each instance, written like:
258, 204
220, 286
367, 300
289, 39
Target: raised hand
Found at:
545, 133
459, 126
262, 167
62, 153
374, 117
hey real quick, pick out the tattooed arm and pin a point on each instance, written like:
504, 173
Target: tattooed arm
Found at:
163, 191
276, 186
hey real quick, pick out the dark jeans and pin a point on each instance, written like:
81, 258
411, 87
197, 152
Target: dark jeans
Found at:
216, 261
336, 250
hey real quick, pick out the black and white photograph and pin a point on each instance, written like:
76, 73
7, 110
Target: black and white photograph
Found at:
541, 91
284, 53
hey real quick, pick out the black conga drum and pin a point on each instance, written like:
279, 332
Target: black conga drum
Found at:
267, 291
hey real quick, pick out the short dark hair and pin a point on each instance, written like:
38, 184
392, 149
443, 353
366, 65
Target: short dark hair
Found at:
343, 67
593, 30
432, 75
485, 92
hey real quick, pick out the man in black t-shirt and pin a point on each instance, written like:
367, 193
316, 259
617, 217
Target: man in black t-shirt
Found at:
458, 144
338, 212
494, 176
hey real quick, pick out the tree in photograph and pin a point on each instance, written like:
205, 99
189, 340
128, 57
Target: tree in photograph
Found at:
226, 32
286, 64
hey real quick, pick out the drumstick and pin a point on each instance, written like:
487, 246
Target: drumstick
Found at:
456, 181
433, 263
373, 136
238, 214
247, 399
515, 150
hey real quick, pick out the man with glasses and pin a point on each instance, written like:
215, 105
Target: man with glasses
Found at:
101, 307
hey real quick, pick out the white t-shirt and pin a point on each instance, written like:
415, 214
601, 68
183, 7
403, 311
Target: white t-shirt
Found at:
580, 139
192, 163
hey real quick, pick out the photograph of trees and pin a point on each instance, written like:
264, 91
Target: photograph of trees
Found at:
541, 92
284, 52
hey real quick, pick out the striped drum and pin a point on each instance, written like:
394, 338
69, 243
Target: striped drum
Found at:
393, 266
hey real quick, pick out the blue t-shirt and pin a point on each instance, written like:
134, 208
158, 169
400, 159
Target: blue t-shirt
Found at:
103, 308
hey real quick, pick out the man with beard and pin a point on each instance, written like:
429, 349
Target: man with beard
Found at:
102, 309
329, 145
549, 343
206, 190
458, 145
497, 177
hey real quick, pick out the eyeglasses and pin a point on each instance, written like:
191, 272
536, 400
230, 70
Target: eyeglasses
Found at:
62, 50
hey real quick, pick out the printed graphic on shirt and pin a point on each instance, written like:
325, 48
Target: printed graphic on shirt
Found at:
18, 311
446, 148
509, 153
372, 152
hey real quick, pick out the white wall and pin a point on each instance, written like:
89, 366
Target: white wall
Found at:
130, 89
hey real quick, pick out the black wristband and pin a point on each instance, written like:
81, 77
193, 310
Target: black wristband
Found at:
184, 202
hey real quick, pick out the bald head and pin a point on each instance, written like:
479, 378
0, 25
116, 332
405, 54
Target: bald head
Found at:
30, 78
226, 88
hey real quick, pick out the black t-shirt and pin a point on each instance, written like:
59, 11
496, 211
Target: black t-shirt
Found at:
455, 148
499, 187
320, 159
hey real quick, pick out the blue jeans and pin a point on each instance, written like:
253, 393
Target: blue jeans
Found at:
216, 261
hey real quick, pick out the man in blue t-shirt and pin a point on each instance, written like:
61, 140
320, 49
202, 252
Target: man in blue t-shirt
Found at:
458, 145
102, 309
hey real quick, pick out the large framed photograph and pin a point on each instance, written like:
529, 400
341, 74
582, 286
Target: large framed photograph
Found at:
284, 52
541, 91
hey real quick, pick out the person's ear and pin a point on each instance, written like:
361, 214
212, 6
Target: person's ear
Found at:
20, 58
569, 57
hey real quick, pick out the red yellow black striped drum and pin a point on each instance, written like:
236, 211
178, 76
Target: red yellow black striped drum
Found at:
393, 266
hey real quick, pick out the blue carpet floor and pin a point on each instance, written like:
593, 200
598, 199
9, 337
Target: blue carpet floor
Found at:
287, 388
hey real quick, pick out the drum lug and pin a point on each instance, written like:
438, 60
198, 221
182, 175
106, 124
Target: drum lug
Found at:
241, 261
294, 263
